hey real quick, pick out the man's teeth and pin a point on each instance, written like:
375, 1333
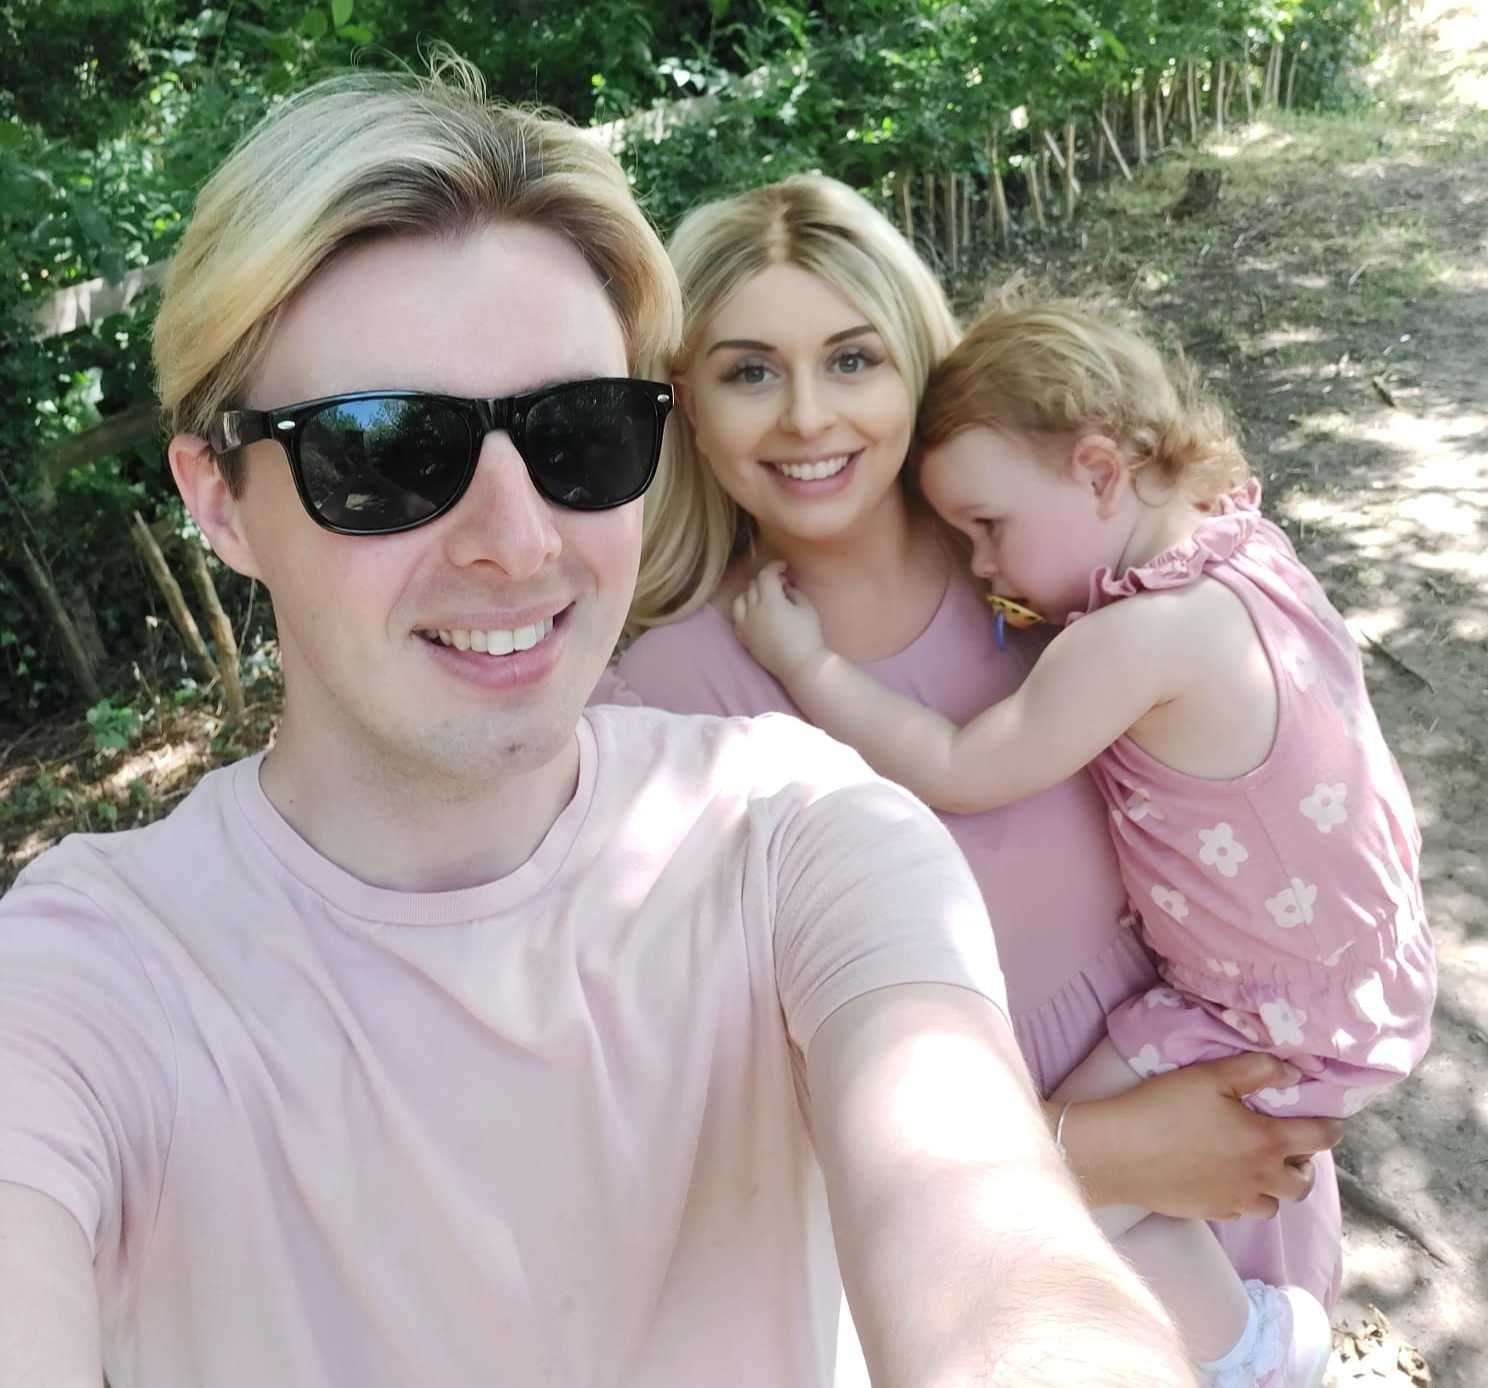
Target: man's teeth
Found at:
496, 642
814, 472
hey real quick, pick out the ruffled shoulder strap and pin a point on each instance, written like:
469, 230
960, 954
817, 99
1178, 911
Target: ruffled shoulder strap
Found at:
1231, 521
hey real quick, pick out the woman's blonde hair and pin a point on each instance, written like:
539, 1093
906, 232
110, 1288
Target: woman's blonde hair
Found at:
1042, 365
381, 154
693, 527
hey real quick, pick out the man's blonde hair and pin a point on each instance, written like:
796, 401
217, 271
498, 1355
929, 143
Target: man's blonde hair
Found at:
1041, 365
693, 527
378, 154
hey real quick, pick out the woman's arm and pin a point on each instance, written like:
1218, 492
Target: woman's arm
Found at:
1183, 1143
1095, 680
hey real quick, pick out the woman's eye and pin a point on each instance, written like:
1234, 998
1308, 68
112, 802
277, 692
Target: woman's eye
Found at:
749, 373
855, 362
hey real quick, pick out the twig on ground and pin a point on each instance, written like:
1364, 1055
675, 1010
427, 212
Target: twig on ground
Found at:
1397, 662
1377, 1206
1382, 390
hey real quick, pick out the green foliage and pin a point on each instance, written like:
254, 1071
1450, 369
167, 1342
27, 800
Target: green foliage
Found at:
114, 112
114, 726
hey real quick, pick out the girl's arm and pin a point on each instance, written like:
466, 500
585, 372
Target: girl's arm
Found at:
1095, 679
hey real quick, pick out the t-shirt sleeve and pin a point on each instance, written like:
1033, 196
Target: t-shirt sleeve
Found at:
871, 891
87, 1075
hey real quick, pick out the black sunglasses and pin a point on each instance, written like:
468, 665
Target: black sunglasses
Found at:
380, 461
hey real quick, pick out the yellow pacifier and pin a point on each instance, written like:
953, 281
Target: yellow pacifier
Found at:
1010, 614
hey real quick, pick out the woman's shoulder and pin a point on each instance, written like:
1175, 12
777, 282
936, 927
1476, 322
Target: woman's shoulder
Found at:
695, 665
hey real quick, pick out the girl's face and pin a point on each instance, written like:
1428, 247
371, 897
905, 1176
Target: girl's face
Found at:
797, 408
1041, 514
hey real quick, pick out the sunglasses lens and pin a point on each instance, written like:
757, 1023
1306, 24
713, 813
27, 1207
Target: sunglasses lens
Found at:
382, 463
593, 445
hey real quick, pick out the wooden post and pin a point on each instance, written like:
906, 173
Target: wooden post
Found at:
1070, 186
1031, 178
1139, 119
997, 208
951, 226
72, 646
174, 599
222, 632
932, 249
1115, 148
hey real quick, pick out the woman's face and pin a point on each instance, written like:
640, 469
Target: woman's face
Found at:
798, 409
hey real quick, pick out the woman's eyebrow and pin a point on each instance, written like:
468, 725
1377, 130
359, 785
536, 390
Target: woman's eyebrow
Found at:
749, 345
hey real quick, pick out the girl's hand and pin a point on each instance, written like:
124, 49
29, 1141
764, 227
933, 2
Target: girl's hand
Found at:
778, 625
1184, 1145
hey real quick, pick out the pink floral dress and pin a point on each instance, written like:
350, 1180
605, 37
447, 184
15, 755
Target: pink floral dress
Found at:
1284, 905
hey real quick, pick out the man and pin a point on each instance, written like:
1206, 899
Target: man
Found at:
468, 1037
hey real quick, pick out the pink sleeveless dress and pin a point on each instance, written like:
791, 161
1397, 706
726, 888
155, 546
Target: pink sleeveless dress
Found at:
1284, 906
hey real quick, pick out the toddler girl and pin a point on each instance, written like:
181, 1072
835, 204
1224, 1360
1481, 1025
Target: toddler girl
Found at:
1264, 832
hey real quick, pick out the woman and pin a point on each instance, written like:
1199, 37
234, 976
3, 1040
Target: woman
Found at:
812, 326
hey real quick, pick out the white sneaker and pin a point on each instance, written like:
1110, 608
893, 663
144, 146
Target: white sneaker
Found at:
1293, 1339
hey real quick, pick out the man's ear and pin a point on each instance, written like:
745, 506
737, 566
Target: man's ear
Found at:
1098, 465
212, 505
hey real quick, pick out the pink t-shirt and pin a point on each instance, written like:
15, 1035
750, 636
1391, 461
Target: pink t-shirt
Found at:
541, 1131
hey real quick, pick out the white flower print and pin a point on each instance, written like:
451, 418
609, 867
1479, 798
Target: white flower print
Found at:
1171, 901
1279, 1098
1294, 905
1148, 1062
1242, 1024
1228, 967
1393, 1053
1222, 850
1140, 806
1325, 806
1283, 1022
1162, 997
1342, 1041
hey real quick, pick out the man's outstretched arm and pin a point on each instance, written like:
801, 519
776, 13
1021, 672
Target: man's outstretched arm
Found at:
967, 1254
48, 1306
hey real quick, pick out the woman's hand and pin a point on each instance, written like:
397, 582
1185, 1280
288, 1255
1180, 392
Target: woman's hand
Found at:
1183, 1144
778, 625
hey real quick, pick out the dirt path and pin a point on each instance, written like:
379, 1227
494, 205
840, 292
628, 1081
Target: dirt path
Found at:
1338, 295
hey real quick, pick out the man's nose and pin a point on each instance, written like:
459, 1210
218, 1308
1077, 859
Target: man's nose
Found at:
503, 519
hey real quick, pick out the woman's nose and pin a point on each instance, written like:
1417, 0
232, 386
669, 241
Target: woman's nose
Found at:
808, 408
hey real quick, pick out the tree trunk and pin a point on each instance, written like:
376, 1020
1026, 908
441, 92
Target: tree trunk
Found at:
1292, 78
1139, 119
1193, 104
901, 180
72, 646
1219, 88
1158, 102
222, 632
1246, 70
966, 214
175, 601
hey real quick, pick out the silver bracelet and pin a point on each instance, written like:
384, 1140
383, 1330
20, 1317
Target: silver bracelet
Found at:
1059, 1130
